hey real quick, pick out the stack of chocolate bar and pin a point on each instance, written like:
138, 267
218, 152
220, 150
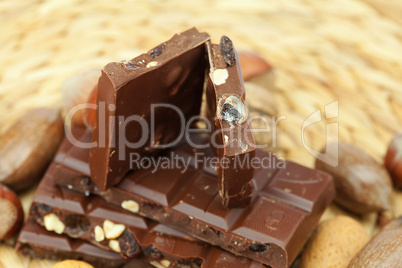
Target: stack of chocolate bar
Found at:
147, 187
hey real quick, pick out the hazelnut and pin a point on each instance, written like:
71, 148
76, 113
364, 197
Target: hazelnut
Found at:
53, 223
152, 64
114, 245
393, 160
130, 205
112, 230
232, 109
99, 234
11, 213
219, 76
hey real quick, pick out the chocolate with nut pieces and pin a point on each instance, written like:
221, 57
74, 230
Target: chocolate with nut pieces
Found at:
232, 136
92, 219
147, 100
288, 201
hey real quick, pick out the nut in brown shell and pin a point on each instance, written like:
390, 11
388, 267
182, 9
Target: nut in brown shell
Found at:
383, 250
27, 147
393, 160
11, 213
362, 185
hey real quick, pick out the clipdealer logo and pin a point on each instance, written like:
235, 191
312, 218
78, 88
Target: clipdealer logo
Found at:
328, 116
331, 112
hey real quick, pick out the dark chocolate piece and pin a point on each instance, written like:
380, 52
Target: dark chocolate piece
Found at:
132, 98
288, 202
160, 244
233, 139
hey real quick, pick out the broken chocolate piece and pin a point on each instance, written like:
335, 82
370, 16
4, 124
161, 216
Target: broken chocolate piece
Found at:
143, 104
232, 136
288, 201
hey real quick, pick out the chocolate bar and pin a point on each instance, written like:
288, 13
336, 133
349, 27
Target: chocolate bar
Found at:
233, 138
151, 97
36, 242
286, 206
92, 219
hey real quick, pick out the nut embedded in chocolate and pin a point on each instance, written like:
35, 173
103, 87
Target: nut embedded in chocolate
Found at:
130, 65
258, 248
177, 74
232, 139
130, 205
53, 223
76, 225
115, 246
153, 252
157, 51
128, 245
232, 110
44, 208
113, 230
287, 203
99, 234
227, 50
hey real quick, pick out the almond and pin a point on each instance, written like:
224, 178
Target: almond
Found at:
383, 250
252, 65
76, 90
393, 160
11, 213
362, 185
27, 147
334, 243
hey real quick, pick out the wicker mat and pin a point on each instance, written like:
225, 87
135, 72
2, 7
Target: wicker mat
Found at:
343, 53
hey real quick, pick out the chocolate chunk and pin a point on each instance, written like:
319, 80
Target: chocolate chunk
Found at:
157, 51
233, 139
83, 214
227, 50
77, 225
147, 97
286, 206
38, 243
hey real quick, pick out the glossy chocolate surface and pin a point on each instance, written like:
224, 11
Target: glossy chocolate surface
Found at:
288, 202
38, 243
234, 141
130, 98
142, 238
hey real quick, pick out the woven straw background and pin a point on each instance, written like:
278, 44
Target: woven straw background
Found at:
322, 51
